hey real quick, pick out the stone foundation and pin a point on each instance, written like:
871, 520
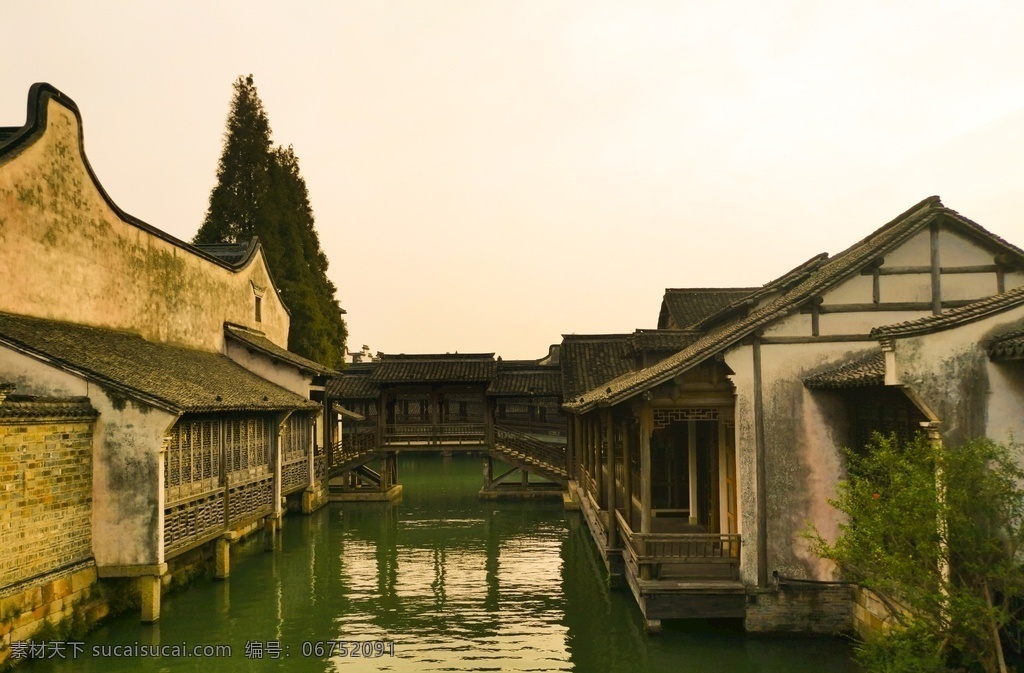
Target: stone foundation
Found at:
870, 615
801, 608
54, 606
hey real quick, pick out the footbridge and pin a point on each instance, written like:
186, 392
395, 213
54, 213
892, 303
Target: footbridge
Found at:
507, 412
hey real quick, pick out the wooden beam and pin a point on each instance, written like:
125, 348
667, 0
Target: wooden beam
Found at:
627, 470
921, 270
691, 460
886, 306
936, 269
826, 338
610, 486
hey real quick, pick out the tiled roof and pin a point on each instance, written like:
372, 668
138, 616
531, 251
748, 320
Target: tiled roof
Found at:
864, 369
521, 382
956, 316
169, 377
1008, 347
232, 254
821, 278
689, 306
435, 368
662, 339
353, 385
257, 341
781, 284
18, 407
589, 360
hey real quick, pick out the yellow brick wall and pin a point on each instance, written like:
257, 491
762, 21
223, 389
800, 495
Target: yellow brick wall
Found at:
45, 497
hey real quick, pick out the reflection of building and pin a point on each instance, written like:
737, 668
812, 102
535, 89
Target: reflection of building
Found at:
698, 465
149, 397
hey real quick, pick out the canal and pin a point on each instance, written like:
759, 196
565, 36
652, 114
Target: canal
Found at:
444, 580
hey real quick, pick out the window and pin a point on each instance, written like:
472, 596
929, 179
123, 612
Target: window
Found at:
259, 311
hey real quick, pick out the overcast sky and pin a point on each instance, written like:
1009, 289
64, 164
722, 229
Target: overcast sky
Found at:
487, 176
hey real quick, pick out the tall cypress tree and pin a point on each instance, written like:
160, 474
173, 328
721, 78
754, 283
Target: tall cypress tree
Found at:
260, 192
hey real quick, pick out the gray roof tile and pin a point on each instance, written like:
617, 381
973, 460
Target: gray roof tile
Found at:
166, 376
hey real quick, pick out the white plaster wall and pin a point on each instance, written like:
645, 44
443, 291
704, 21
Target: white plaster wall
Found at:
75, 259
804, 452
854, 290
861, 323
740, 360
1013, 280
951, 372
957, 250
795, 324
905, 287
960, 286
284, 375
127, 484
916, 251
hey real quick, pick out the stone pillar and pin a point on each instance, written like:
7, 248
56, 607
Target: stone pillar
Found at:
222, 559
269, 533
149, 592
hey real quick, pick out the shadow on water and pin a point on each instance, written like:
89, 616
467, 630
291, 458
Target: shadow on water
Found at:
458, 584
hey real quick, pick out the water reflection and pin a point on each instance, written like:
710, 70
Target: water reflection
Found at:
456, 583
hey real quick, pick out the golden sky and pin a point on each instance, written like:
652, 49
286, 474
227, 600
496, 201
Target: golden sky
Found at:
487, 176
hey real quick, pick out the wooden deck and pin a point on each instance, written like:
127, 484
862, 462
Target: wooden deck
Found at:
672, 575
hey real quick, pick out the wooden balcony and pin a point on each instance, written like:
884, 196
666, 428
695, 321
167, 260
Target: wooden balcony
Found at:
681, 557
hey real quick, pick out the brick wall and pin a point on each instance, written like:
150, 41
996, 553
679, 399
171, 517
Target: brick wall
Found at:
47, 574
801, 608
45, 494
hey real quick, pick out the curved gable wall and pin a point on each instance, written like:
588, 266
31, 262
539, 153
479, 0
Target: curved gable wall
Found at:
68, 253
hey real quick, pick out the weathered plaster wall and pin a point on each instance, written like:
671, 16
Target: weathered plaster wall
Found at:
284, 375
76, 259
740, 360
951, 372
127, 486
803, 453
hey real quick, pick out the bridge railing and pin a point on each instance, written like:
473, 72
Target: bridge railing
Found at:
434, 433
352, 447
550, 453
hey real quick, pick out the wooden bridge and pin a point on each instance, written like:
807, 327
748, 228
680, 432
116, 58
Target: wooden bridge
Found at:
352, 478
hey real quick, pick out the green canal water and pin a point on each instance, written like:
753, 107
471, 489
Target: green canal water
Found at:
450, 582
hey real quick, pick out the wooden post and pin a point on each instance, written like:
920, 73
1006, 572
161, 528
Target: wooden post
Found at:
627, 471
610, 480
723, 482
646, 421
691, 459
936, 269
598, 468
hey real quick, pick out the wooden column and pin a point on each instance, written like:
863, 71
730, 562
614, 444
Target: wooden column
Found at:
723, 482
610, 480
627, 471
691, 468
646, 423
598, 468
936, 269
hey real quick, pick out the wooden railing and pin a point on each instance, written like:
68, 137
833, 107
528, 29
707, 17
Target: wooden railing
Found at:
696, 556
544, 458
431, 433
352, 447
551, 453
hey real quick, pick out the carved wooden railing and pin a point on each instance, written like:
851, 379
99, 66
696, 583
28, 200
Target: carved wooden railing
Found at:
696, 556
